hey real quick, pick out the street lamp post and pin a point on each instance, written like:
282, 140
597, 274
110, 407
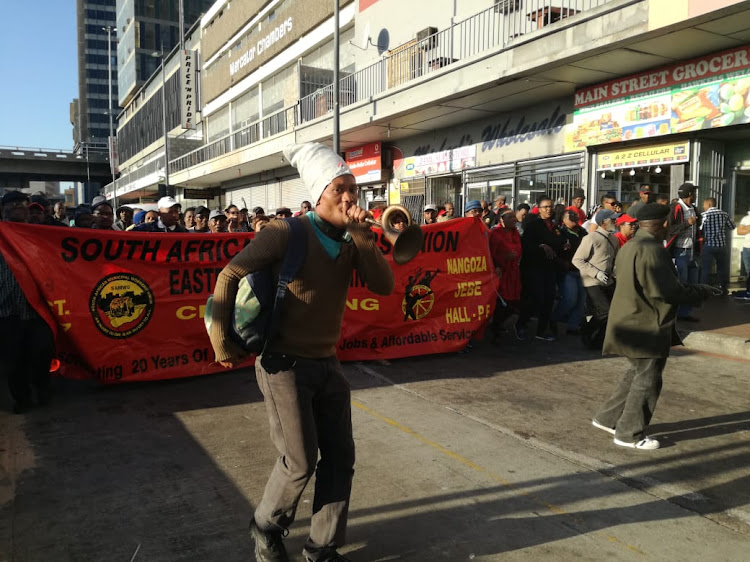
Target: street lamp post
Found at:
111, 142
336, 77
164, 118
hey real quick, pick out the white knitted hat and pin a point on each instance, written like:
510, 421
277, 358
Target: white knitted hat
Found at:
317, 165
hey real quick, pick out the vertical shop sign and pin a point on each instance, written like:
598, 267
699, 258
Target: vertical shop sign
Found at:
188, 89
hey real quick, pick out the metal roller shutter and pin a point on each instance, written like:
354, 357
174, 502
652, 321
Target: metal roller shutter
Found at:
272, 196
257, 197
235, 197
293, 192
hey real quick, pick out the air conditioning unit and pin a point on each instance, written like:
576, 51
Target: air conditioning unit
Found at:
507, 6
427, 33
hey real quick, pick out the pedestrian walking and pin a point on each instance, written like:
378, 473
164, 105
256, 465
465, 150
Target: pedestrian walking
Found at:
595, 259
307, 396
714, 224
682, 240
641, 327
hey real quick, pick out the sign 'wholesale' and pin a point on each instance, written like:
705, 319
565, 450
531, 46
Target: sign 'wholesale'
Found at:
446, 161
705, 93
672, 153
365, 162
130, 305
200, 193
188, 90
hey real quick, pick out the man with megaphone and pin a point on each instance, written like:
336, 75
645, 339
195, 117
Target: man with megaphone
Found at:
306, 394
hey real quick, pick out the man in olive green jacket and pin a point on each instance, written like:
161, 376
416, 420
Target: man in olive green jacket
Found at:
642, 327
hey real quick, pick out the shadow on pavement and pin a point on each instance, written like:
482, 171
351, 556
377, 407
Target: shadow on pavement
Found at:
497, 519
702, 428
113, 470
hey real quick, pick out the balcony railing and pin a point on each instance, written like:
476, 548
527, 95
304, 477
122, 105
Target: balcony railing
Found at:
264, 128
129, 178
494, 28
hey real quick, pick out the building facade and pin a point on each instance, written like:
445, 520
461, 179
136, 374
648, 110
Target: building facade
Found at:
145, 28
445, 100
92, 112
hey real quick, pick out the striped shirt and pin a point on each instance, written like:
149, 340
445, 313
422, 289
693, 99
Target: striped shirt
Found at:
13, 302
714, 226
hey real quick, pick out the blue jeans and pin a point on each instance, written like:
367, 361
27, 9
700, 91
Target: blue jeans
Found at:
746, 262
687, 274
719, 254
571, 306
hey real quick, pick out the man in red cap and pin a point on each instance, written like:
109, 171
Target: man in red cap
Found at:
626, 227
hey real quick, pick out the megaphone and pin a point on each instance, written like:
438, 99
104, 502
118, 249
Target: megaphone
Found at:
398, 227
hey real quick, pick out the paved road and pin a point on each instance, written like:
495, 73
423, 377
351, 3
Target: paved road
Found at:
485, 456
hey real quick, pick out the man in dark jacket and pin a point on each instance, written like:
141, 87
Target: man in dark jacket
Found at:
541, 243
641, 327
169, 218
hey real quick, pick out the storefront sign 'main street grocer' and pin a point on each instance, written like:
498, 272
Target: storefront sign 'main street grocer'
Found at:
707, 67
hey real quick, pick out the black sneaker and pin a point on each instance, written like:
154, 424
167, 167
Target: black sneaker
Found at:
268, 544
546, 336
22, 407
521, 334
325, 555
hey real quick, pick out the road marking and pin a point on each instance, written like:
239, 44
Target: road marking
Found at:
478, 468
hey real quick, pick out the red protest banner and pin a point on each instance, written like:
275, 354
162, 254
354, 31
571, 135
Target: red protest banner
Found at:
129, 306
443, 297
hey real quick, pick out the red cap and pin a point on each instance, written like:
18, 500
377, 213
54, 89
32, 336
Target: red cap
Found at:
625, 218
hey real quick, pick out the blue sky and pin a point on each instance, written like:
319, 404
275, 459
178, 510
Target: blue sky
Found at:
39, 70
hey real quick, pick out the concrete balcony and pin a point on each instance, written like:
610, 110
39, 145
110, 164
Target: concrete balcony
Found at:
475, 69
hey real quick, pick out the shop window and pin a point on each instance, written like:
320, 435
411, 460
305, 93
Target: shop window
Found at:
531, 188
626, 184
444, 189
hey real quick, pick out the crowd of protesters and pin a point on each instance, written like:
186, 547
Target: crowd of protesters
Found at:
167, 217
554, 260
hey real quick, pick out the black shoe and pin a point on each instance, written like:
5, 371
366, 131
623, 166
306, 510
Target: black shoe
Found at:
521, 334
325, 555
22, 407
43, 396
269, 546
688, 319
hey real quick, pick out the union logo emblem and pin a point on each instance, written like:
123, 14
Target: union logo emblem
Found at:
418, 296
121, 305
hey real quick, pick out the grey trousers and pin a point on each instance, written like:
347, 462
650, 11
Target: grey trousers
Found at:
632, 404
309, 409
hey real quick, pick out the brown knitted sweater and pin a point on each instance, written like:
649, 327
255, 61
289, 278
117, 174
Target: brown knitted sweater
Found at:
313, 309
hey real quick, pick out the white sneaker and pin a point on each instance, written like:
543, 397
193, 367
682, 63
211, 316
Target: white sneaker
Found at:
647, 444
604, 427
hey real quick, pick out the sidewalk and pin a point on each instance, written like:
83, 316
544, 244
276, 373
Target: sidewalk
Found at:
723, 329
